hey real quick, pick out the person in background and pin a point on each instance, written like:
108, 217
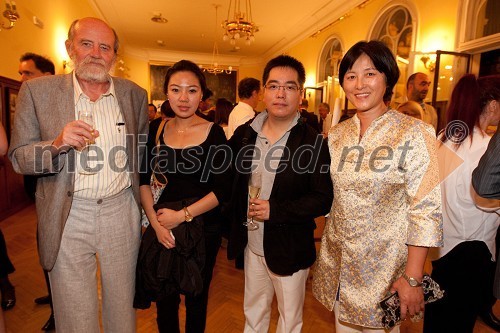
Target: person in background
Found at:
280, 251
184, 139
223, 109
486, 183
386, 212
152, 111
417, 88
325, 118
7, 290
88, 215
469, 232
3, 263
31, 66
308, 117
249, 94
412, 109
207, 109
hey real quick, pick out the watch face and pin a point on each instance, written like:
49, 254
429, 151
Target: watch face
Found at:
413, 282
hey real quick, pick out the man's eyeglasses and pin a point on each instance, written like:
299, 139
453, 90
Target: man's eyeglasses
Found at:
291, 88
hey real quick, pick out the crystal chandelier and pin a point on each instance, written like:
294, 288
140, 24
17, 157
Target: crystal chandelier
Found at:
241, 25
214, 68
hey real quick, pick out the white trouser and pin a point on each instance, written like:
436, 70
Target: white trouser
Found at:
260, 286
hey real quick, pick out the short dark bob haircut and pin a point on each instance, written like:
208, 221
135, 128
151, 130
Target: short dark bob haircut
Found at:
382, 58
185, 66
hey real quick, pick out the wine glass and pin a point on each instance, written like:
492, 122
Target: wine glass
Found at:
87, 117
253, 192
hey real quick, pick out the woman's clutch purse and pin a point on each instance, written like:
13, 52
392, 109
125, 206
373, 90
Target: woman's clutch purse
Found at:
391, 305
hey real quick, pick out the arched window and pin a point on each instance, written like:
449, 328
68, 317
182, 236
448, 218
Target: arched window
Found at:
395, 29
330, 60
487, 20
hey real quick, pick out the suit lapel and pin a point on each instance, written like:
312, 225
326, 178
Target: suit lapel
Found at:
66, 101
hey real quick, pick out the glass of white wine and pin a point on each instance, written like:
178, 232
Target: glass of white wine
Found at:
253, 192
87, 117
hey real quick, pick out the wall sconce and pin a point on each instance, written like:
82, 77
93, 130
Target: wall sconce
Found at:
122, 67
11, 14
429, 64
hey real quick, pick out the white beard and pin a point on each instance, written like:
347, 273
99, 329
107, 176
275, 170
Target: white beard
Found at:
92, 70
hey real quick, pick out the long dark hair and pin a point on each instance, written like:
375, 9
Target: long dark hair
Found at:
468, 101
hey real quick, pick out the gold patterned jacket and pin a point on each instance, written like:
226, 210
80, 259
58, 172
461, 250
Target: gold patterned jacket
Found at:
386, 196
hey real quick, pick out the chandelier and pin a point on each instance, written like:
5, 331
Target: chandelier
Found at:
241, 24
214, 68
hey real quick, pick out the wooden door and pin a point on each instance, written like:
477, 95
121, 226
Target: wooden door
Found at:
12, 195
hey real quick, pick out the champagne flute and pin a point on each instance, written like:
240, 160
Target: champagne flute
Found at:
254, 186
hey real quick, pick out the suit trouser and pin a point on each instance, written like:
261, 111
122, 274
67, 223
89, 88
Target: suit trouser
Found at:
108, 231
6, 266
466, 276
260, 286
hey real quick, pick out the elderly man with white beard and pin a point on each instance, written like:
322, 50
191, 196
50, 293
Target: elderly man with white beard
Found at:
87, 200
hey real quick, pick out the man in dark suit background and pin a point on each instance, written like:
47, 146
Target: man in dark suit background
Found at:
88, 205
31, 66
309, 117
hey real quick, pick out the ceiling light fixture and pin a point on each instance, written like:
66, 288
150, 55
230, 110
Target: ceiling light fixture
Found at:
157, 18
214, 67
11, 14
241, 25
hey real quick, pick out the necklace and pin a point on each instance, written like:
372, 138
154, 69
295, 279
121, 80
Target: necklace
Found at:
181, 130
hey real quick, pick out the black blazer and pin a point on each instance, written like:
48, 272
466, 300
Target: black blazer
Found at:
296, 198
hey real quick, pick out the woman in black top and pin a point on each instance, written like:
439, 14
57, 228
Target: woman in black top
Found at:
190, 160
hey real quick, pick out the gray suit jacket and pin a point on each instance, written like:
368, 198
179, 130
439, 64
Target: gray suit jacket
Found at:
44, 106
486, 182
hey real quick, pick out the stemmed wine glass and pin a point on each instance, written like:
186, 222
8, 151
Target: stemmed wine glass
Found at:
253, 192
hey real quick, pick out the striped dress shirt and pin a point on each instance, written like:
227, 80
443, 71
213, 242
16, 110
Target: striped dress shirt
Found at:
101, 167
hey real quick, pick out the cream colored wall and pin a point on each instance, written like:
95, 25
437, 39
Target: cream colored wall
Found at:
435, 30
49, 41
137, 71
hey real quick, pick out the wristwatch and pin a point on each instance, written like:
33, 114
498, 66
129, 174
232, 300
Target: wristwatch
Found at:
187, 216
412, 281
